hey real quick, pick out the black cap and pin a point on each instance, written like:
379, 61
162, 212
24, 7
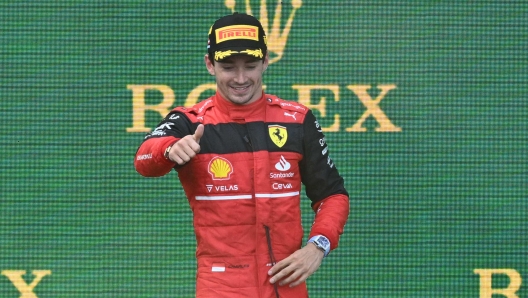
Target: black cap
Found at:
236, 34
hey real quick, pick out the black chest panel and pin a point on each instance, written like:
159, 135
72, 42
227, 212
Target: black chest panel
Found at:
226, 138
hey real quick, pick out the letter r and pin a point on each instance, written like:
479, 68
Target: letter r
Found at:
139, 107
486, 290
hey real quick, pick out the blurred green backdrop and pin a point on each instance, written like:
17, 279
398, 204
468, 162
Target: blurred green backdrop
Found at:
430, 203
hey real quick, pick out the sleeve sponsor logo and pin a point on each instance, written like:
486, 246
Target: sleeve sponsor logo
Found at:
278, 134
160, 130
322, 141
158, 133
236, 32
205, 105
144, 156
297, 107
329, 162
164, 126
319, 129
220, 168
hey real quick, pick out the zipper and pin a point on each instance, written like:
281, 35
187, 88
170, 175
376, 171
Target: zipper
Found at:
272, 256
248, 141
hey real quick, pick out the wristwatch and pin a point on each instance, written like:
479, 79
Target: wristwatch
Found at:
322, 243
166, 154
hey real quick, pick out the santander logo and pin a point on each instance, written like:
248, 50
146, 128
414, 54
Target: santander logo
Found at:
282, 165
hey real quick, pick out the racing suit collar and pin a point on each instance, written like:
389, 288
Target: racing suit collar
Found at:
241, 112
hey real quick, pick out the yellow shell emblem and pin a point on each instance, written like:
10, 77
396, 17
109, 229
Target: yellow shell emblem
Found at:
220, 168
278, 134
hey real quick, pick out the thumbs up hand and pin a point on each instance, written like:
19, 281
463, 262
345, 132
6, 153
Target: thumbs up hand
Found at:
198, 134
187, 147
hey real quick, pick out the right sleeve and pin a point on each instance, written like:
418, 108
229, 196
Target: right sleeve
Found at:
150, 160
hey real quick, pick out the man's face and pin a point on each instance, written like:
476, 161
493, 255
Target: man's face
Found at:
238, 78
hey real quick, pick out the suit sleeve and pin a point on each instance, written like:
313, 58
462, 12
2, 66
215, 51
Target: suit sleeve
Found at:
150, 160
324, 185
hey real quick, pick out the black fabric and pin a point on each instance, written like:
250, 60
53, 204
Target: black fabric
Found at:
317, 168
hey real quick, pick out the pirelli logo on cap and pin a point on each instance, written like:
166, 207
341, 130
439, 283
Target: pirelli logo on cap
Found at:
236, 32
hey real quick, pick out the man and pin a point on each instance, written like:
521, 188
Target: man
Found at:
241, 156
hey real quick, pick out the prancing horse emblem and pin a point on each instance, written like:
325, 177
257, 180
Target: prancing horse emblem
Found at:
278, 134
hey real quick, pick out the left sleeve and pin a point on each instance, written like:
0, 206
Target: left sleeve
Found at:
324, 186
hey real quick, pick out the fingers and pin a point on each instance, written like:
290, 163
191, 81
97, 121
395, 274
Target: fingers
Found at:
198, 133
187, 148
292, 273
184, 150
296, 278
297, 267
278, 271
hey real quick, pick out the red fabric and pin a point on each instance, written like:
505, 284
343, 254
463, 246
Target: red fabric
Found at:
150, 160
231, 214
330, 218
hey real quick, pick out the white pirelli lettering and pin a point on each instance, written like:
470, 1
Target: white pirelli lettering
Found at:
277, 195
223, 198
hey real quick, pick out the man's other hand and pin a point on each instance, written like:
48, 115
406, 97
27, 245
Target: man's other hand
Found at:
296, 268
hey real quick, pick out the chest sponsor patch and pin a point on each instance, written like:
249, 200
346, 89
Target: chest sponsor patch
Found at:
282, 186
283, 164
221, 188
220, 168
278, 134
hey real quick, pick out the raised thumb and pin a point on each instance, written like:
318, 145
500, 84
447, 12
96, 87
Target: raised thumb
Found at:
198, 133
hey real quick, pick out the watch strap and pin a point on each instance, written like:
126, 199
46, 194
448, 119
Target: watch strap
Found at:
167, 151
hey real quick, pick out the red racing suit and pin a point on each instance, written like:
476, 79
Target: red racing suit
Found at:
244, 189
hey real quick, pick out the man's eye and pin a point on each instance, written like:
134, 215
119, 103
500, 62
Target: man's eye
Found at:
227, 68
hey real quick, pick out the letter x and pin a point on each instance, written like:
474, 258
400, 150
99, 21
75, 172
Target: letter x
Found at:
372, 109
15, 276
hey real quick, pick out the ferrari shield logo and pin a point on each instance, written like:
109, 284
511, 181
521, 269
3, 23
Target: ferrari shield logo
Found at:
278, 134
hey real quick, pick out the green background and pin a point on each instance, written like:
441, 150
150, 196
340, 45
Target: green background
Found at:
429, 204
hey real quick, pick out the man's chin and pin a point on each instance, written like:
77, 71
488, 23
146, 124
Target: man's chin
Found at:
240, 100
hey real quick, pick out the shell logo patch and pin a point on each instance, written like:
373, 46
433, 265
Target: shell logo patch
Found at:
278, 134
220, 168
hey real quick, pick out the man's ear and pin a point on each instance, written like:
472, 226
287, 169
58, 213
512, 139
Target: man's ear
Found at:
266, 62
209, 65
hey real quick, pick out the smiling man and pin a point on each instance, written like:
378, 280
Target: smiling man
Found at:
238, 78
241, 157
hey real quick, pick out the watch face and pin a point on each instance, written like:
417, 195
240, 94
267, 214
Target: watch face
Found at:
323, 242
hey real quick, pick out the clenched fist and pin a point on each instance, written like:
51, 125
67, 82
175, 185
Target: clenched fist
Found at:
187, 147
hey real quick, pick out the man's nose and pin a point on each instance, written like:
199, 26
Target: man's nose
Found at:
240, 76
